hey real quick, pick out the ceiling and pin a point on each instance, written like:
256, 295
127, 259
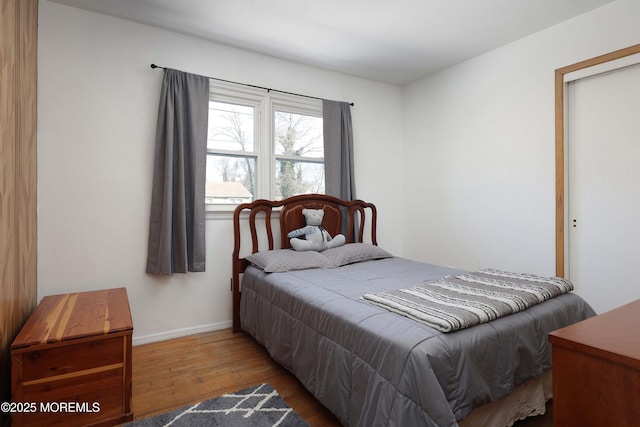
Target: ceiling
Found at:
392, 41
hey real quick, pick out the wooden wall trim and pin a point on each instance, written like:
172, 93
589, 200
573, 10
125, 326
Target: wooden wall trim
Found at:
560, 87
26, 154
18, 170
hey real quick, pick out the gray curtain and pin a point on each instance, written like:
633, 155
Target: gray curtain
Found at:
176, 229
338, 150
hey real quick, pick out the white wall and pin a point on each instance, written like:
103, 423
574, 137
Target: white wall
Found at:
97, 106
479, 144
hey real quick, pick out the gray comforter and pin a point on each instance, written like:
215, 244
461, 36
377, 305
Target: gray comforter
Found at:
372, 367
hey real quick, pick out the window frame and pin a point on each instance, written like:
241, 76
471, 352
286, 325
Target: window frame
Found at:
265, 104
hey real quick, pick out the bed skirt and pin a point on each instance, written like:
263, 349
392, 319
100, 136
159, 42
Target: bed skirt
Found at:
526, 400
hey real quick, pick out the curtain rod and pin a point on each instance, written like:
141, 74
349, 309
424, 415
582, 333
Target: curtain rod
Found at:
154, 66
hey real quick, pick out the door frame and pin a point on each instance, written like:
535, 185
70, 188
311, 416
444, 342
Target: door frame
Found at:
560, 142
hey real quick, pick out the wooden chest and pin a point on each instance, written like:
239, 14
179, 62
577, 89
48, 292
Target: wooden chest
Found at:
596, 370
71, 362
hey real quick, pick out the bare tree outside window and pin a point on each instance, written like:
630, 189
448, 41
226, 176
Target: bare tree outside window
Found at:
262, 146
231, 173
299, 154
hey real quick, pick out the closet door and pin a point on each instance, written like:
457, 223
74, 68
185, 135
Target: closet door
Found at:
603, 196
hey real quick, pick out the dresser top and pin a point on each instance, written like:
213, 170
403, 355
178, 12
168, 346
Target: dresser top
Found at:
60, 318
611, 335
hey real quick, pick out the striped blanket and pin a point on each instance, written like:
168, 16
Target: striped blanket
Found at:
458, 302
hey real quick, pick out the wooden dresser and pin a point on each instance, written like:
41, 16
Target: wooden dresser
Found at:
596, 370
71, 362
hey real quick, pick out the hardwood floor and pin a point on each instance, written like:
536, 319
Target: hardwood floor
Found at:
177, 372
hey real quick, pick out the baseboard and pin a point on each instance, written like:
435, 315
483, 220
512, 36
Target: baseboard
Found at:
176, 333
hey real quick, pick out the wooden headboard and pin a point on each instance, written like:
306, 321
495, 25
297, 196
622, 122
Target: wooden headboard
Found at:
357, 216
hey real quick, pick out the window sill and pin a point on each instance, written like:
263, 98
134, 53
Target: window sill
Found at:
219, 212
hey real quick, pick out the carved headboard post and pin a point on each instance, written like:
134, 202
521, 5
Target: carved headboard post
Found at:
358, 211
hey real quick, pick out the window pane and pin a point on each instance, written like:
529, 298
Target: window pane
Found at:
230, 179
298, 135
231, 127
293, 178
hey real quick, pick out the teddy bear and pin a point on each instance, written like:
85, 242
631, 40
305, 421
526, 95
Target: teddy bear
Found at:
313, 237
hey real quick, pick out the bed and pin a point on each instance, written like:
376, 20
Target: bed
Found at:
369, 365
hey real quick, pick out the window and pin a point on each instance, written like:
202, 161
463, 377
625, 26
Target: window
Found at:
262, 145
